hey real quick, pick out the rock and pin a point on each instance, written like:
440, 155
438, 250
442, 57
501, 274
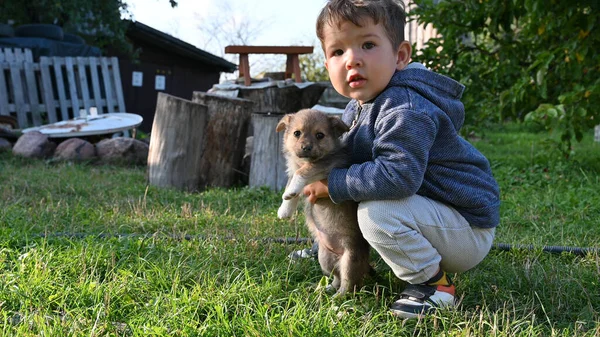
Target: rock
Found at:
75, 149
34, 144
122, 150
5, 145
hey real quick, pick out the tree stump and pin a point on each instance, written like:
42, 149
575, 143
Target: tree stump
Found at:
177, 143
267, 167
224, 138
287, 99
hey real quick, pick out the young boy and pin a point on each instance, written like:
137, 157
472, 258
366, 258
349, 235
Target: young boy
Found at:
428, 202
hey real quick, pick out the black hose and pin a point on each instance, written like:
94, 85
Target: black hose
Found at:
549, 249
581, 251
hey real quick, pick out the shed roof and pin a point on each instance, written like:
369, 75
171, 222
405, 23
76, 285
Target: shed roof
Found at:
138, 30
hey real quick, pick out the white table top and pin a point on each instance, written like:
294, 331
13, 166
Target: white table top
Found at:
89, 126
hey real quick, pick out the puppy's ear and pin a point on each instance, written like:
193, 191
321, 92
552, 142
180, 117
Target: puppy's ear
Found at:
284, 122
338, 126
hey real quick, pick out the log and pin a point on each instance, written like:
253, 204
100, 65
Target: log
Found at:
283, 100
177, 143
267, 166
224, 139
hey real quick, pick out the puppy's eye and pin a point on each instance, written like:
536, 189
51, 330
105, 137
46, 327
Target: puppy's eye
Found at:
319, 135
297, 133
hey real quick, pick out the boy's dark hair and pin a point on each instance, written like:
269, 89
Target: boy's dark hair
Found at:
390, 13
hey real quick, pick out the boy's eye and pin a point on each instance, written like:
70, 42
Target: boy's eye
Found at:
337, 52
297, 133
368, 45
319, 135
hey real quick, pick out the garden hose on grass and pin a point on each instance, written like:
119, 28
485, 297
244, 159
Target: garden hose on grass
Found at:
580, 251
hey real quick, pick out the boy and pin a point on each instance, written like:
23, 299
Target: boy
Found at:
428, 202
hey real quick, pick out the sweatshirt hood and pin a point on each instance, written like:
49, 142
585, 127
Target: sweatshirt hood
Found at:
442, 91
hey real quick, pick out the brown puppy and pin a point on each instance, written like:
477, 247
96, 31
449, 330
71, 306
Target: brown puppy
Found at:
312, 147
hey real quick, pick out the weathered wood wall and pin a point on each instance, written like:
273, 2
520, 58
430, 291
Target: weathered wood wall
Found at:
56, 88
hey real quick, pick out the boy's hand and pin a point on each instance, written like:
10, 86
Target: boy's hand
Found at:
316, 191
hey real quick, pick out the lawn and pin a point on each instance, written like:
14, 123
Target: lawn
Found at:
89, 250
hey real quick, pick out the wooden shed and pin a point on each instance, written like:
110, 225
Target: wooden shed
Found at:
165, 64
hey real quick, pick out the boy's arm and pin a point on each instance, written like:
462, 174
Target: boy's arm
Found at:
399, 150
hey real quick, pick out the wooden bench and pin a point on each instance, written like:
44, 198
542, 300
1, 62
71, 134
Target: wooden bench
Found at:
292, 63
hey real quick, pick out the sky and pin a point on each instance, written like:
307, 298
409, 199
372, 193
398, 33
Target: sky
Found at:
271, 23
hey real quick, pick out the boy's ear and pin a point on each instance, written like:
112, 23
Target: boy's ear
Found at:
284, 122
338, 126
404, 55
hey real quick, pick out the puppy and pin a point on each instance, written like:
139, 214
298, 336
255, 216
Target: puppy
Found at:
312, 147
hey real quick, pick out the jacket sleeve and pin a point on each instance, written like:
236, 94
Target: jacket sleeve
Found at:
400, 152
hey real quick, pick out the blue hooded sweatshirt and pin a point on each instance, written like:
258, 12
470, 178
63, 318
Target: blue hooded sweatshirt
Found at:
406, 141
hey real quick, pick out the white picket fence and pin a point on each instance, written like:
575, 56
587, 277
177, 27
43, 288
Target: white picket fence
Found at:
56, 88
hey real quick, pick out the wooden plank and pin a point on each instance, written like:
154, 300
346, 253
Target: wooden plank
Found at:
47, 90
28, 55
17, 85
72, 86
107, 85
268, 50
8, 55
3, 92
60, 86
19, 55
83, 83
96, 84
117, 84
32, 94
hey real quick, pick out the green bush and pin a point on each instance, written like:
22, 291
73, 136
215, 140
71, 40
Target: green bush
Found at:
528, 60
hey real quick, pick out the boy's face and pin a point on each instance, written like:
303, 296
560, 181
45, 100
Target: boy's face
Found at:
361, 60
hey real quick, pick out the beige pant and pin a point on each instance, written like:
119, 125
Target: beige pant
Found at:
417, 235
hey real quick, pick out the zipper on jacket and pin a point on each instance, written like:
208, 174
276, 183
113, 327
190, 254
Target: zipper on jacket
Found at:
356, 117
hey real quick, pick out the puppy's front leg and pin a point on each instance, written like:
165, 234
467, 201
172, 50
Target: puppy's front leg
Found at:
295, 187
302, 177
287, 208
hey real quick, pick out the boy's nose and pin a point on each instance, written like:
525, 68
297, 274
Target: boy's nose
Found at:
353, 59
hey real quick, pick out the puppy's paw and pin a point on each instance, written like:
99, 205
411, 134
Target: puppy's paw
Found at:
289, 194
295, 187
285, 210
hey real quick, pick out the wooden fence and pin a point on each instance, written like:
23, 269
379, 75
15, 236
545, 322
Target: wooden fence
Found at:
56, 88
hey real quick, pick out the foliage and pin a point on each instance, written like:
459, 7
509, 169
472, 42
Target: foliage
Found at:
312, 66
525, 60
99, 22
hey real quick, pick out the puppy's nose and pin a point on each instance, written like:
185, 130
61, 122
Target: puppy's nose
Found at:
306, 148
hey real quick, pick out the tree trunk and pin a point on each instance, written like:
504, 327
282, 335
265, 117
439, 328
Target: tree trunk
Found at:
177, 143
268, 166
224, 138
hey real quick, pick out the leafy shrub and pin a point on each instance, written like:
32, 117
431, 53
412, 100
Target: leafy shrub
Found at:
523, 60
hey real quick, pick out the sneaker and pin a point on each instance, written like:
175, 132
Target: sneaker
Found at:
418, 300
306, 253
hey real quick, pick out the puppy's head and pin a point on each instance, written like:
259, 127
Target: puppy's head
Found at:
311, 134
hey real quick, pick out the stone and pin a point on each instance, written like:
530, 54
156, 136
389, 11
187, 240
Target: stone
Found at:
122, 150
75, 149
5, 145
34, 144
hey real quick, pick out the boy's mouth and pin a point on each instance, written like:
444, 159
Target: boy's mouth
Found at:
356, 81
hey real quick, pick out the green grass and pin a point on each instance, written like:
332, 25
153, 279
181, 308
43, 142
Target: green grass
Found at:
128, 271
